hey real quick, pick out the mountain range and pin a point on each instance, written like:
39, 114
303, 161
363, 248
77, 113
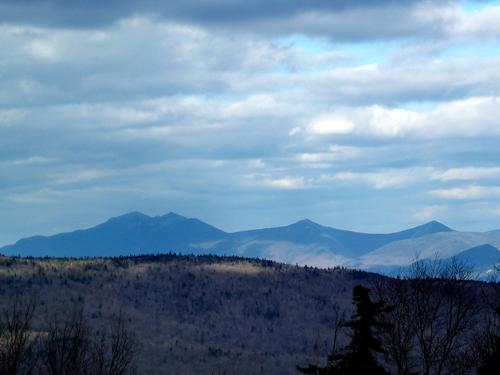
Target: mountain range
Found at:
304, 242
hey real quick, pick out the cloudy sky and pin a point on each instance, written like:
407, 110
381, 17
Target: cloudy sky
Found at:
366, 115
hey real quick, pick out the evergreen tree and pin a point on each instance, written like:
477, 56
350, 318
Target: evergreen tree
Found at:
358, 357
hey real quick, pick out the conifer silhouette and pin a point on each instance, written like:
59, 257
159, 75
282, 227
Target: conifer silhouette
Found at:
358, 357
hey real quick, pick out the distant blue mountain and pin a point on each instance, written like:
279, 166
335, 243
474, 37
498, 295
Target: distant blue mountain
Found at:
342, 242
133, 233
480, 260
480, 257
136, 233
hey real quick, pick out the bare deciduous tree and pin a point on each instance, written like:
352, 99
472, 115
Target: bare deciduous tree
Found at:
65, 349
16, 339
113, 354
65, 346
488, 343
435, 309
72, 348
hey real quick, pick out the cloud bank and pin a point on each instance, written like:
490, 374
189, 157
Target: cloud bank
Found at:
369, 115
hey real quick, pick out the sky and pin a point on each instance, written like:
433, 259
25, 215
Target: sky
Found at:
365, 115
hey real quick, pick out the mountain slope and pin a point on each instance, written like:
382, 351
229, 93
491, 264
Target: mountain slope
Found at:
341, 242
441, 245
194, 315
480, 260
303, 242
131, 233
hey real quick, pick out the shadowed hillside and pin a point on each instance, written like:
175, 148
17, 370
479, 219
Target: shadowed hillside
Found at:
195, 314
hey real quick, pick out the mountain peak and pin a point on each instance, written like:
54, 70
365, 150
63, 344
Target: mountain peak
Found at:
170, 218
134, 215
436, 226
305, 223
173, 215
429, 228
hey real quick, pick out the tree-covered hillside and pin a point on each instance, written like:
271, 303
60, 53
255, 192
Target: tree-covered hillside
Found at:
194, 314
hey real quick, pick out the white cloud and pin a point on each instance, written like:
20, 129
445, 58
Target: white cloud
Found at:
78, 176
334, 153
44, 50
461, 118
366, 22
44, 195
430, 212
467, 192
268, 181
28, 161
259, 105
179, 111
331, 124
480, 23
467, 173
383, 179
287, 183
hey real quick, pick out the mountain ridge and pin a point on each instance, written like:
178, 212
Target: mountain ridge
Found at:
303, 242
192, 231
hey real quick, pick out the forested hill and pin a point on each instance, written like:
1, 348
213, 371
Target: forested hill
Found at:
195, 314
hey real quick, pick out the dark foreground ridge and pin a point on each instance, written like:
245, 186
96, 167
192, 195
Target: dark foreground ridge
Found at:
188, 314
194, 314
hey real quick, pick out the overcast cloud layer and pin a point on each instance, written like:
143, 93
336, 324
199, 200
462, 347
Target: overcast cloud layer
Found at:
367, 115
